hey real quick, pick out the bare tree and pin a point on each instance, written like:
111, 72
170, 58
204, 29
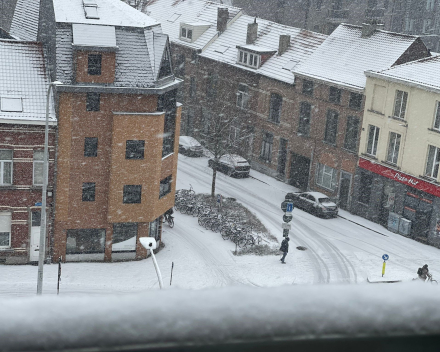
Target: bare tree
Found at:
215, 137
137, 4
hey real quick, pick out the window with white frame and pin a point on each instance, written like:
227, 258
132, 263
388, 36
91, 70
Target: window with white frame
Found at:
242, 96
393, 147
437, 116
430, 5
248, 59
5, 229
373, 139
5, 166
400, 104
326, 176
432, 162
186, 33
38, 167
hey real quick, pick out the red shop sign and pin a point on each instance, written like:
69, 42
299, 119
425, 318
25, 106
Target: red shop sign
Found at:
400, 177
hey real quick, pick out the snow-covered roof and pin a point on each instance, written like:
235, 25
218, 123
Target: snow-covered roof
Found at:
138, 57
24, 81
423, 73
256, 48
170, 13
345, 55
302, 44
110, 12
25, 20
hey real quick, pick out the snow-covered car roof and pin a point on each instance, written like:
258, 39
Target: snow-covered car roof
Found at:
188, 141
233, 159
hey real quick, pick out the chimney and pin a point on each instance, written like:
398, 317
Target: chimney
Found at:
368, 29
252, 32
222, 19
283, 44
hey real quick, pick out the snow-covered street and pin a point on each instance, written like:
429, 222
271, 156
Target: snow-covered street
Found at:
338, 250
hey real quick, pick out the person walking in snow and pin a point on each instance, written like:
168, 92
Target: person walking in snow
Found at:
284, 248
424, 273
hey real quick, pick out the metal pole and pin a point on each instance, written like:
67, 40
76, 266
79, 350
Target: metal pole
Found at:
159, 276
172, 267
42, 249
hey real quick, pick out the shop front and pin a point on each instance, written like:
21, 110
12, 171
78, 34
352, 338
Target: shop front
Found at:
389, 196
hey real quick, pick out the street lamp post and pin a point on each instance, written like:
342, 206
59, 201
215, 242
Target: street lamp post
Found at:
42, 249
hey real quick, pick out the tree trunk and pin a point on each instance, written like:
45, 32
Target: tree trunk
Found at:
214, 175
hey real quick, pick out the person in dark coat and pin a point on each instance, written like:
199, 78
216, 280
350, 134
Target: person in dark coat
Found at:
284, 248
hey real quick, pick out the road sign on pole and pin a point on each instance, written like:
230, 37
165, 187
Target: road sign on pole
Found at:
286, 226
287, 217
289, 207
385, 257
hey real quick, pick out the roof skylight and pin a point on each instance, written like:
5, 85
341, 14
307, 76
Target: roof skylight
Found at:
174, 17
91, 9
11, 104
290, 65
221, 49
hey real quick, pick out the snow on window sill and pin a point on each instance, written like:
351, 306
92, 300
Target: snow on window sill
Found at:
376, 112
166, 156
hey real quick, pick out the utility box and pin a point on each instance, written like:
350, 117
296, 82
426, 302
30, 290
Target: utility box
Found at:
405, 226
393, 222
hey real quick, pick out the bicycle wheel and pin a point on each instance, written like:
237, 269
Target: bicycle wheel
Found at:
434, 282
242, 242
171, 222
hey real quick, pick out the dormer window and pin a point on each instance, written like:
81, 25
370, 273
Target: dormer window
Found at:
253, 55
186, 33
191, 31
248, 59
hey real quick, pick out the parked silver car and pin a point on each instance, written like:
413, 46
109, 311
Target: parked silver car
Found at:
190, 146
315, 203
232, 165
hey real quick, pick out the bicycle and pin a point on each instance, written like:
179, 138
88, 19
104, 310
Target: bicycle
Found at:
430, 279
169, 219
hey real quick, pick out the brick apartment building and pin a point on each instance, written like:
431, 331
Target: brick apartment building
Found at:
118, 120
328, 115
217, 82
300, 104
23, 86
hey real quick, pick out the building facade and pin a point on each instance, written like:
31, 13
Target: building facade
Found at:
116, 156
23, 88
397, 178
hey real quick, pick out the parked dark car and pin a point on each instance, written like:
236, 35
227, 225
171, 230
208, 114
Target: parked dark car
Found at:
232, 165
189, 146
315, 203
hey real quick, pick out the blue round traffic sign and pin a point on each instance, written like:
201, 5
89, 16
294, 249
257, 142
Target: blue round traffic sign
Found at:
385, 257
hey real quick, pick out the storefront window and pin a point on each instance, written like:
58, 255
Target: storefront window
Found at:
85, 241
124, 236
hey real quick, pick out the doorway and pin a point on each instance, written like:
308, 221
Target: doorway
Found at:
344, 190
282, 157
34, 250
418, 209
299, 171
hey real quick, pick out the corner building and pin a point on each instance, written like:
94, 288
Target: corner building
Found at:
118, 121
397, 179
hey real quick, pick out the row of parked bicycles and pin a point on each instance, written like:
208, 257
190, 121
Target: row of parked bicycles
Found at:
229, 224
